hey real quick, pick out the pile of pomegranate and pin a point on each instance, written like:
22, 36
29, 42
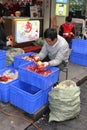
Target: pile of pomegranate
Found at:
38, 70
8, 76
30, 58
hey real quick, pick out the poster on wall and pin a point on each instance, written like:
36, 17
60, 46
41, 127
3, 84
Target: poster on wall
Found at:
60, 9
33, 11
26, 30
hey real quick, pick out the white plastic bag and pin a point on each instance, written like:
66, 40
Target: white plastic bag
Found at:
11, 53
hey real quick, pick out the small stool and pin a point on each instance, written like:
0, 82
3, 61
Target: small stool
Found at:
64, 69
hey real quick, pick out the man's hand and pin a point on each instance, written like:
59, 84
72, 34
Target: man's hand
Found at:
71, 33
9, 43
36, 58
1, 19
40, 65
46, 64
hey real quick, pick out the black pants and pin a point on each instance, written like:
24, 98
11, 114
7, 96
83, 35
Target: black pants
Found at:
69, 40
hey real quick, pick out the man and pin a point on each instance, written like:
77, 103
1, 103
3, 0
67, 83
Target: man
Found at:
67, 30
55, 48
4, 43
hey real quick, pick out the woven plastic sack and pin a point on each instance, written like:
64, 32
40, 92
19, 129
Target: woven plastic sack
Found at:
11, 53
64, 102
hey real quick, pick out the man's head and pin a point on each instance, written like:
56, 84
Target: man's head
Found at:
50, 36
68, 20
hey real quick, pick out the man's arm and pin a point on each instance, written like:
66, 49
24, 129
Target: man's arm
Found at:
61, 31
73, 31
43, 53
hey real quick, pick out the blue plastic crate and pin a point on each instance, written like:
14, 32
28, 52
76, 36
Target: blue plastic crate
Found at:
2, 59
27, 97
2, 52
77, 58
33, 78
46, 94
79, 46
5, 87
2, 62
18, 60
11, 65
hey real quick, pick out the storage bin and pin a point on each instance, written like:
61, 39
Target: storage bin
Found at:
33, 78
27, 97
46, 94
2, 59
2, 53
18, 60
79, 46
5, 87
77, 58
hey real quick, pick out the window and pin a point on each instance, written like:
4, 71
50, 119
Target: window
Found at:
77, 8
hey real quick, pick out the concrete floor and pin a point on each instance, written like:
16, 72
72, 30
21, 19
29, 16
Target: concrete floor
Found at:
80, 123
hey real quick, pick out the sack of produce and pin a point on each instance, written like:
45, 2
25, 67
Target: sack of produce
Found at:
11, 53
64, 101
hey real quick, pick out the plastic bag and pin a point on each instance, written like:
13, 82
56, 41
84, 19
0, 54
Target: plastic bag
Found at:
64, 101
11, 53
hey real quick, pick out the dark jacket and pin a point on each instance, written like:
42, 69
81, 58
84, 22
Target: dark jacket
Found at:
2, 37
3, 40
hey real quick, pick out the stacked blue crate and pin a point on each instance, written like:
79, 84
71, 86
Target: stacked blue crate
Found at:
31, 90
79, 52
2, 59
41, 81
27, 97
5, 84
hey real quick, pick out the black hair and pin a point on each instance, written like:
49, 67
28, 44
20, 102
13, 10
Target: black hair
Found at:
50, 33
68, 19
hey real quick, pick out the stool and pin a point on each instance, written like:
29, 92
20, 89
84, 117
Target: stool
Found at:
64, 69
